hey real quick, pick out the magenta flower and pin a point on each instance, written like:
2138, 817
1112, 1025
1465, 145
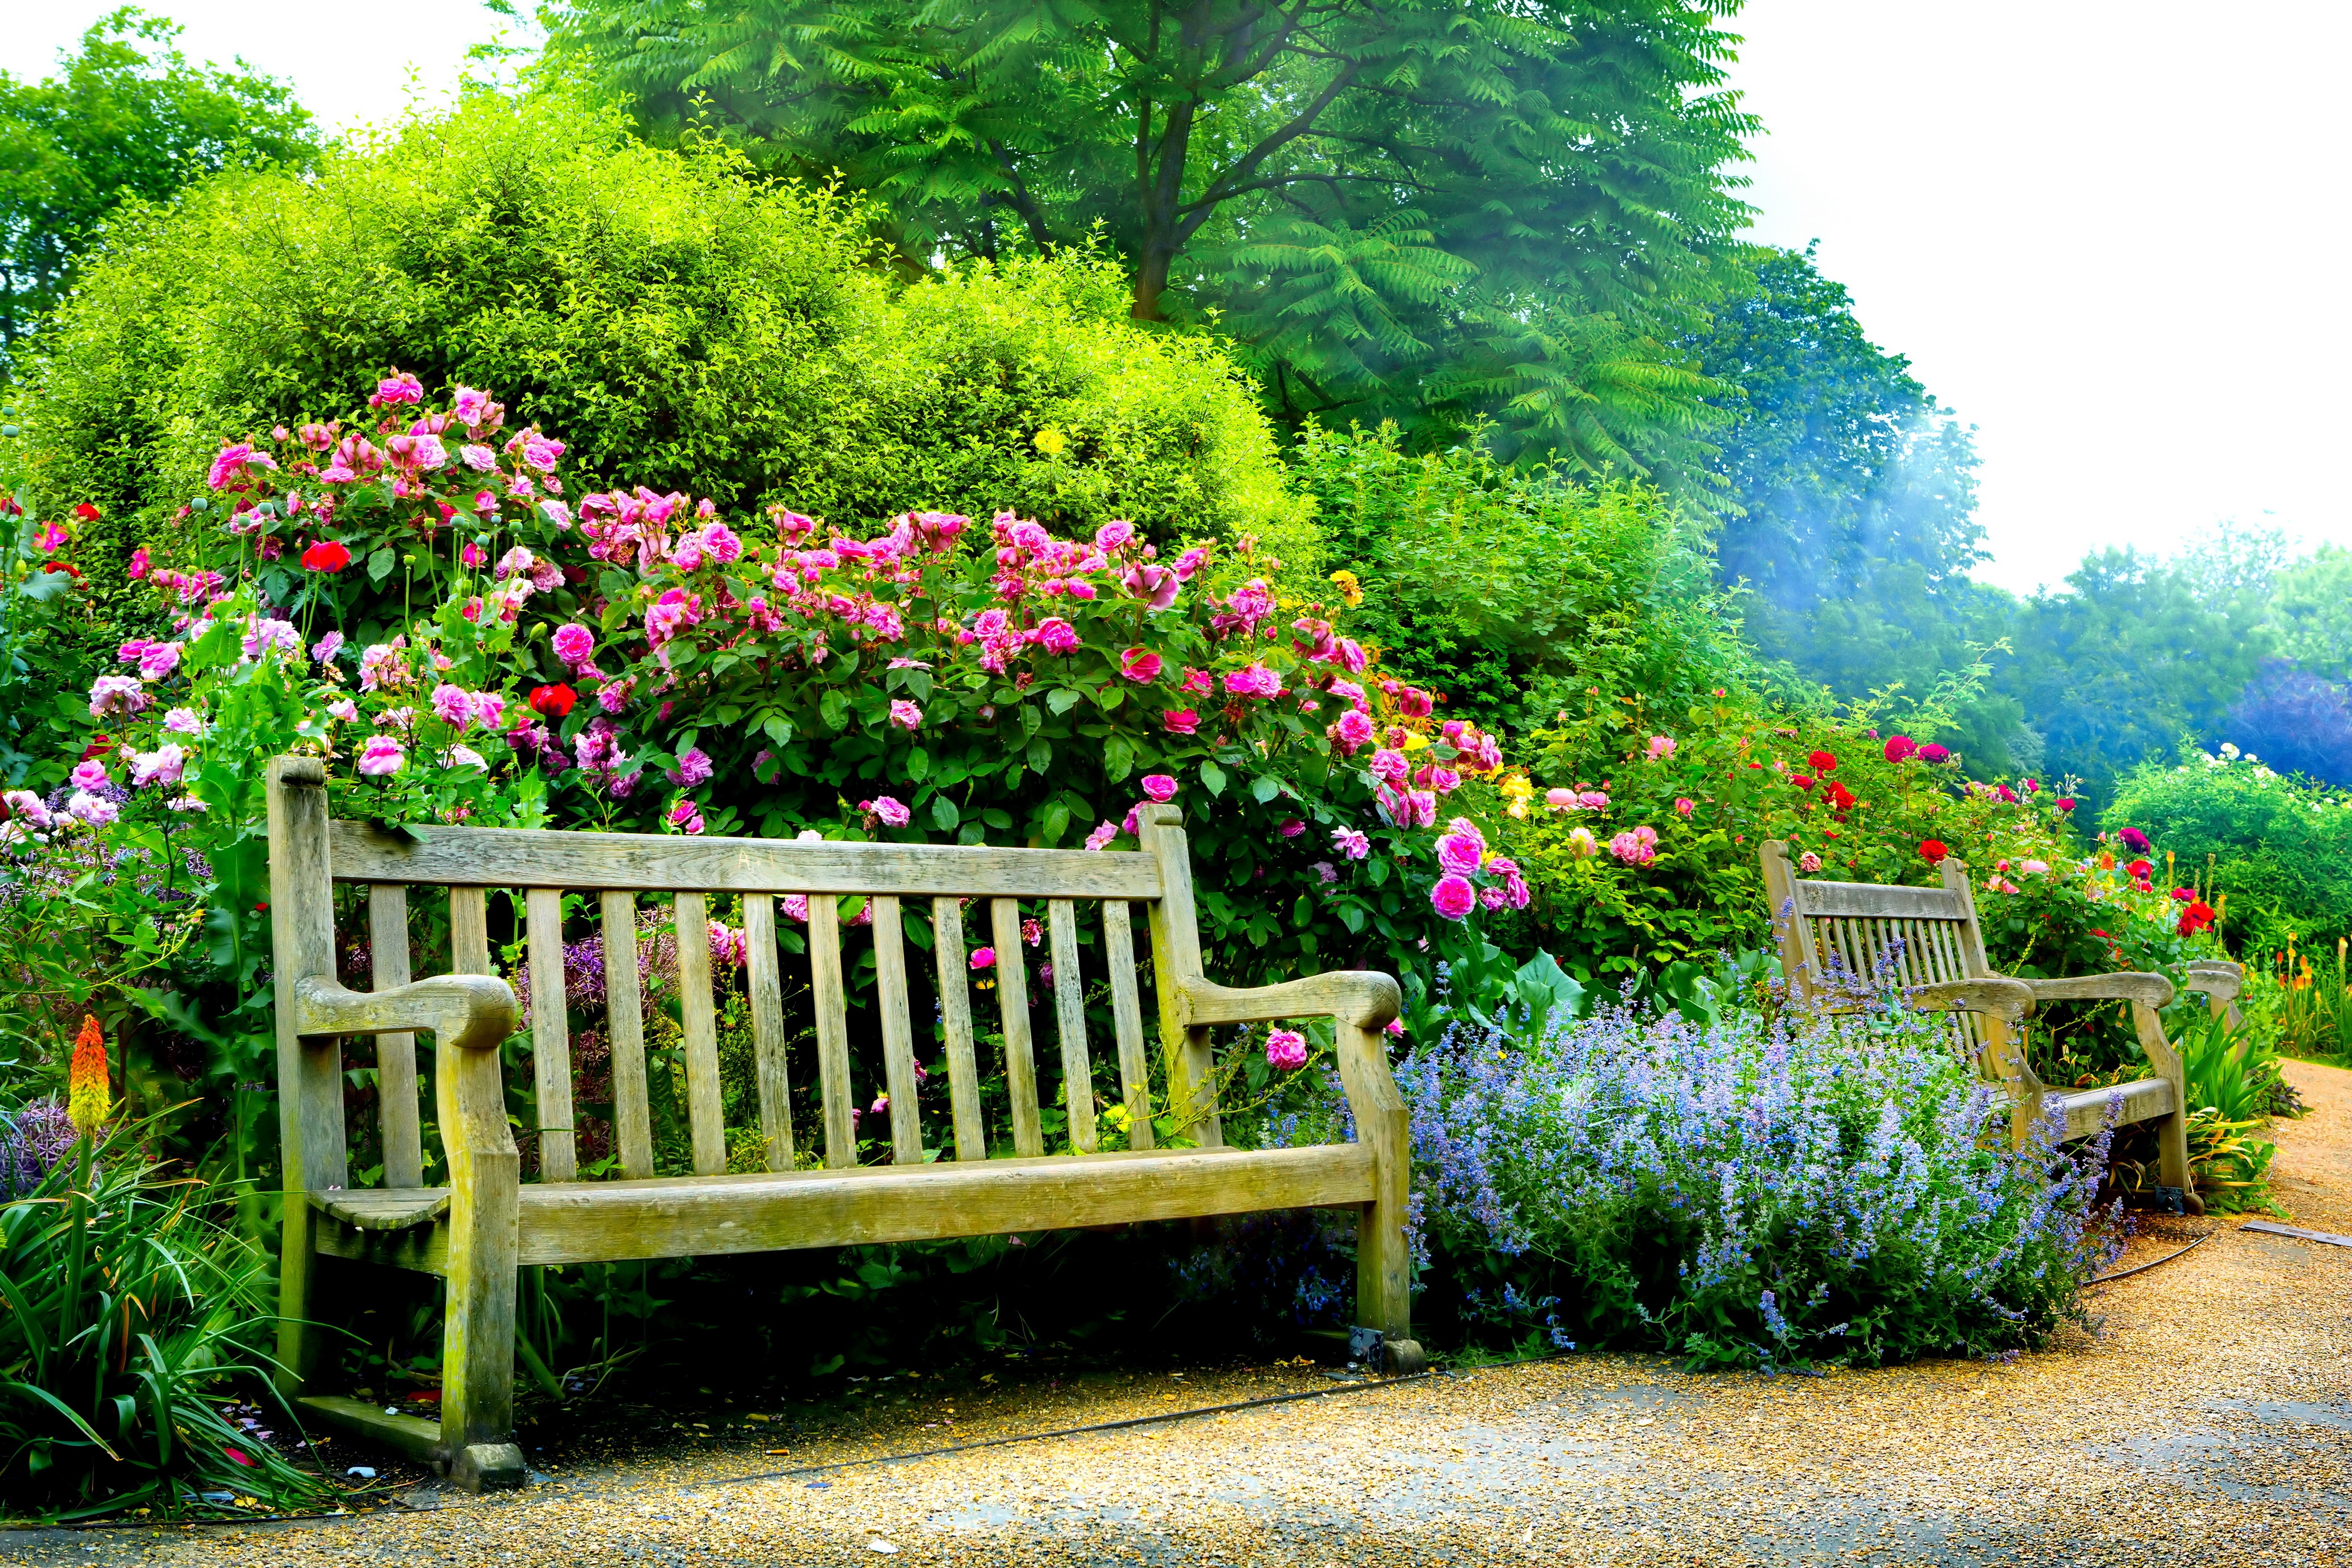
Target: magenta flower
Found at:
1102, 836
1638, 847
983, 958
1325, 871
906, 715
1350, 843
1390, 766
1182, 721
1253, 680
381, 756
1932, 753
1901, 748
2133, 839
398, 387
890, 811
1683, 804
1291, 827
1161, 787
574, 644
234, 461
694, 767
1560, 799
90, 774
1055, 635
1460, 854
1809, 861
1139, 666
1660, 747
686, 816
1113, 536
1286, 1048
1354, 730
1454, 898
1032, 932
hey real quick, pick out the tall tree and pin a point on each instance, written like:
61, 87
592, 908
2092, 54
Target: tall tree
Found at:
1431, 210
127, 118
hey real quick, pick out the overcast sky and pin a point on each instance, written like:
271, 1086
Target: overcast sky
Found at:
2107, 235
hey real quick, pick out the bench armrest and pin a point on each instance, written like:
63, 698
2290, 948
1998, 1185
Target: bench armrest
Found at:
1361, 997
476, 1012
2010, 1000
2219, 980
2150, 990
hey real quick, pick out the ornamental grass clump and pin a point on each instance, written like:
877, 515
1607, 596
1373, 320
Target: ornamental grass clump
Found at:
1773, 1191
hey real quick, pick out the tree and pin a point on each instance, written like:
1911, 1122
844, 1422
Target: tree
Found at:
126, 119
1425, 209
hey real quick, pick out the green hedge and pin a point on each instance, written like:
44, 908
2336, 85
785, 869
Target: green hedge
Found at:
2280, 843
681, 321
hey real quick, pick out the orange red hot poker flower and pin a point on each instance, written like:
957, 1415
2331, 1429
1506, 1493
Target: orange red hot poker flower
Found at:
87, 1099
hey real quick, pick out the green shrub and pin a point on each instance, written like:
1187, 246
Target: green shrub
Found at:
2278, 845
1512, 591
686, 323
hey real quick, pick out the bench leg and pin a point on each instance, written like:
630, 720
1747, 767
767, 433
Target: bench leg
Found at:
2172, 1133
297, 1344
477, 1347
1383, 1259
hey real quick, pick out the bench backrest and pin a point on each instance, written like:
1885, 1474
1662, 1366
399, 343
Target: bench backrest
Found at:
1836, 936
636, 881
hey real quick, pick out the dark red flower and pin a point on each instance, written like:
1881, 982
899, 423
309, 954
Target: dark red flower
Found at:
68, 567
2065, 803
2185, 895
326, 556
2140, 870
1932, 753
1840, 797
1901, 748
1932, 851
1822, 762
2133, 839
86, 512
2196, 918
1801, 781
552, 702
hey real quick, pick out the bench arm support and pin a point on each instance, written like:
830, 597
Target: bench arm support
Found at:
469, 1017
2148, 990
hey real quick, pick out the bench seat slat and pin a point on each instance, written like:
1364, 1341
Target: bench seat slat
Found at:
2085, 1110
650, 862
606, 1221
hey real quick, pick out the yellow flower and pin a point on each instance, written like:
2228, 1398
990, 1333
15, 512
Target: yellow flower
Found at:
1050, 441
87, 1102
1352, 592
1415, 740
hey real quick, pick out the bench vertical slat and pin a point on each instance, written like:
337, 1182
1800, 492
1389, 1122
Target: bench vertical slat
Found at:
767, 982
1013, 1003
1070, 1019
1176, 958
469, 953
1127, 1019
955, 1017
704, 1114
898, 1033
551, 1035
832, 1030
395, 1055
624, 1026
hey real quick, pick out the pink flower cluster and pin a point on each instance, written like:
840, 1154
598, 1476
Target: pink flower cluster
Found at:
1465, 860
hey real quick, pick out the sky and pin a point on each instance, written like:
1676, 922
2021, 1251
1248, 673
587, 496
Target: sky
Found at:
2106, 236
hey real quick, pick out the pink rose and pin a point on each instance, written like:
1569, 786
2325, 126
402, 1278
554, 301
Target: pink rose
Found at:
1354, 730
1181, 721
1056, 635
1454, 898
1161, 787
1459, 854
1138, 665
890, 812
381, 756
574, 644
1286, 1048
1683, 804
1391, 767
983, 958
906, 715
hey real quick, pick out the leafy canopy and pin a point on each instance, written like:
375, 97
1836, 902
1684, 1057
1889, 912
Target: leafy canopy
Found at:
1428, 210
128, 117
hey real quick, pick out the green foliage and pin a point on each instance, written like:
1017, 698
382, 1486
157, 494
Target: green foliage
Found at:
684, 321
2311, 610
126, 120
1512, 590
128, 1307
2277, 845
1401, 208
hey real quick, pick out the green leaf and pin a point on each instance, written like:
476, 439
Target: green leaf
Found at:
380, 564
834, 707
1118, 758
1061, 699
1041, 754
1266, 786
919, 764
1057, 822
944, 815
618, 587
1212, 778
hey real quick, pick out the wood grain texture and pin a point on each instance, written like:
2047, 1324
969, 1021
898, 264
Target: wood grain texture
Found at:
551, 1035
410, 1437
382, 1208
397, 1111
706, 1113
2151, 990
1070, 1025
312, 1150
832, 1031
1176, 960
955, 1022
423, 1249
1383, 1258
647, 862
769, 1058
898, 1033
1363, 998
625, 1027
612, 1220
1127, 1022
1869, 901
2085, 1110
1012, 974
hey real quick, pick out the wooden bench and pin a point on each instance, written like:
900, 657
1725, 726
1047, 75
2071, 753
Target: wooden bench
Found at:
476, 1232
1842, 939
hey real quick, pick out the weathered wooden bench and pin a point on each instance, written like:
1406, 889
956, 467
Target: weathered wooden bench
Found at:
476, 1232
1840, 940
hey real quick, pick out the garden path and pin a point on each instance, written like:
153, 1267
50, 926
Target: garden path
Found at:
2210, 1422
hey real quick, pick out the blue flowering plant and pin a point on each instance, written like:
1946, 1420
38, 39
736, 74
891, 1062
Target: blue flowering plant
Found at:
1766, 1189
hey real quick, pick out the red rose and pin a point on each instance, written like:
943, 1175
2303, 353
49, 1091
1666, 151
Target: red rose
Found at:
86, 512
1801, 781
2196, 918
2066, 803
552, 702
1932, 851
326, 556
1822, 762
1840, 797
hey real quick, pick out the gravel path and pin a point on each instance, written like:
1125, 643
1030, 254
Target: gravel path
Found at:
2210, 1423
